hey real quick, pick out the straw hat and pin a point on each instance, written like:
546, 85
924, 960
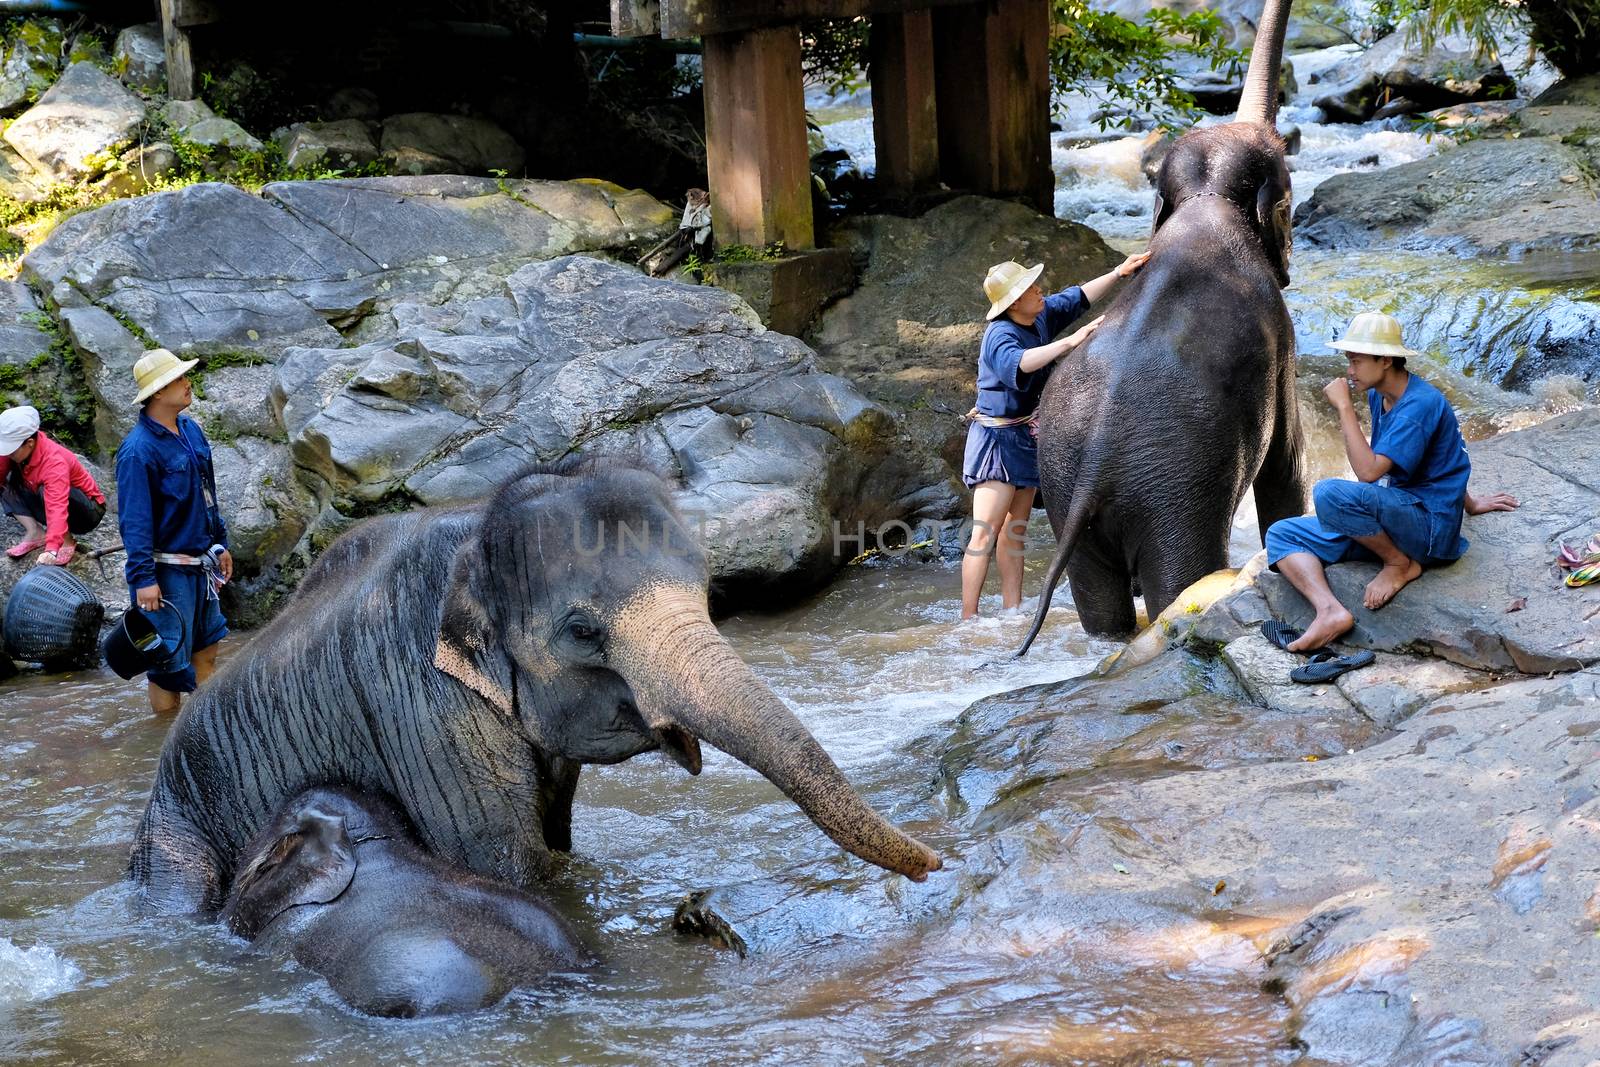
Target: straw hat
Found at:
1005, 282
158, 369
16, 426
1373, 333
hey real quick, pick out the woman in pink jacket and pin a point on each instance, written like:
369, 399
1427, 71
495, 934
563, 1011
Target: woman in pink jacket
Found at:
44, 487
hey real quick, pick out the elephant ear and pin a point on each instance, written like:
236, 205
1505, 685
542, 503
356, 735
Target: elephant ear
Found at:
465, 651
1158, 214
1273, 203
312, 862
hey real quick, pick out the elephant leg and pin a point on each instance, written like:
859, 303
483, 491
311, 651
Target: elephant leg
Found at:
1280, 485
174, 869
1101, 587
1170, 564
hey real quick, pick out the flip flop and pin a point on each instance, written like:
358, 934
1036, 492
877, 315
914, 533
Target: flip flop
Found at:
1571, 558
22, 548
1282, 635
1326, 666
1584, 575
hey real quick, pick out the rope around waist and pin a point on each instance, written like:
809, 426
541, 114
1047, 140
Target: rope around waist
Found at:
995, 422
207, 563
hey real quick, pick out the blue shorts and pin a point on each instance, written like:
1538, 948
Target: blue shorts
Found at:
202, 624
1001, 454
1347, 510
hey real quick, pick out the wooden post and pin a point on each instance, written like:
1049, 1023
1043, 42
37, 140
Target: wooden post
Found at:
904, 120
180, 61
759, 170
992, 79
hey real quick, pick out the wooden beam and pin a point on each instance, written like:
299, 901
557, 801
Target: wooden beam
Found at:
635, 18
180, 60
696, 18
186, 13
992, 80
756, 157
904, 120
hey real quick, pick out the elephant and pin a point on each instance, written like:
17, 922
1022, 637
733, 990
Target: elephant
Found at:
466, 661
1151, 432
336, 880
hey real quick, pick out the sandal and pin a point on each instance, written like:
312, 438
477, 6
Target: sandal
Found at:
22, 548
1282, 635
1584, 575
1570, 558
60, 557
1326, 666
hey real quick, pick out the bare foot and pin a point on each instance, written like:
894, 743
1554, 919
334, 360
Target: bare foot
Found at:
1327, 626
1390, 580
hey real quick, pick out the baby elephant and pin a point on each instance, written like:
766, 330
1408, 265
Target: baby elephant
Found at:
337, 880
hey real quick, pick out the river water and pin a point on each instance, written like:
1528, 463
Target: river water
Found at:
877, 668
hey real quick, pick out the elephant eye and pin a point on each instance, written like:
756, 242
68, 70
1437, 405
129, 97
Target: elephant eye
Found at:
583, 631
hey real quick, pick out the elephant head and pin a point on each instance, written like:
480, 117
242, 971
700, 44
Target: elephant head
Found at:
304, 856
578, 608
1243, 161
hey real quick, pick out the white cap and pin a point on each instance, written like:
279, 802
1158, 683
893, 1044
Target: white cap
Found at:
16, 426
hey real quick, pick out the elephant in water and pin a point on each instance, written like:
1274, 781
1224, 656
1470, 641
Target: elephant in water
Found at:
336, 880
467, 661
1152, 431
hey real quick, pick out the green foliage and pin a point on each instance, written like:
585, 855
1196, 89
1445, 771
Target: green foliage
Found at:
1566, 31
1125, 64
68, 414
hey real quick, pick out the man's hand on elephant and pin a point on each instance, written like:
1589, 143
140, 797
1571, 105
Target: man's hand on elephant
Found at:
1480, 505
225, 564
1338, 393
148, 598
1131, 265
1083, 333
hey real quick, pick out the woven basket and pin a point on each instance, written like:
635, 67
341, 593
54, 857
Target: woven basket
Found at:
53, 618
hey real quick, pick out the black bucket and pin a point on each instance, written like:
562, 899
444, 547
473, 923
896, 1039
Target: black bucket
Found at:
53, 618
134, 646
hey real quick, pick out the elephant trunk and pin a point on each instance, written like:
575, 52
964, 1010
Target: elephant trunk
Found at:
684, 674
1259, 101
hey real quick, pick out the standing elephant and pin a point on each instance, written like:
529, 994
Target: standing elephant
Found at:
337, 881
467, 661
1184, 398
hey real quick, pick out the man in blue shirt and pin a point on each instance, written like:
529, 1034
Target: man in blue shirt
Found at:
172, 529
1405, 509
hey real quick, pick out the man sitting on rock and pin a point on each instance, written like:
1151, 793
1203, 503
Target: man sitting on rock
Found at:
1405, 508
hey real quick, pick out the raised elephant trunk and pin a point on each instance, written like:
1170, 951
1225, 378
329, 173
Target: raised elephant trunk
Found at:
684, 675
1259, 101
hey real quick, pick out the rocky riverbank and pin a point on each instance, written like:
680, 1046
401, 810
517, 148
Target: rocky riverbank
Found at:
1408, 859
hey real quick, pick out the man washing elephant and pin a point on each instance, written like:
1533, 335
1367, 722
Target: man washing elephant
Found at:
1405, 508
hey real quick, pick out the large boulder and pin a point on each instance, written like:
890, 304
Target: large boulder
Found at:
775, 457
909, 334
212, 270
140, 57
32, 60
425, 143
70, 133
1398, 76
21, 339
1507, 197
1502, 607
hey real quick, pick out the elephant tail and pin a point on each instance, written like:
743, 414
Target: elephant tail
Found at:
1079, 510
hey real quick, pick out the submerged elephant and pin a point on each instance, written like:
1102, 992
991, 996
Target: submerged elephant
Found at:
337, 881
1151, 432
467, 661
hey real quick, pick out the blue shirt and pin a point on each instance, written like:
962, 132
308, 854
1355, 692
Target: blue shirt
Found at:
166, 495
1004, 391
1420, 437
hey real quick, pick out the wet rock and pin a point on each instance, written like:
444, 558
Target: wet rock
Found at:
1505, 197
83, 116
1397, 687
908, 334
1459, 612
1263, 669
1405, 79
423, 143
343, 144
31, 63
142, 57
1389, 942
1219, 94
198, 124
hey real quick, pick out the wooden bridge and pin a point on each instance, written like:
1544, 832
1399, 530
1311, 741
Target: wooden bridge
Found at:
960, 95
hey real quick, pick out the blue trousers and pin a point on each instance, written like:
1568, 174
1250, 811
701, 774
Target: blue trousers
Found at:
202, 624
1346, 510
